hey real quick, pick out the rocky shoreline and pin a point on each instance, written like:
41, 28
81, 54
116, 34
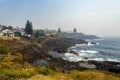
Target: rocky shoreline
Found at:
39, 55
62, 44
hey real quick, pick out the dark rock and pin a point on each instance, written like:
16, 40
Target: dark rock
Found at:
93, 43
83, 65
32, 52
61, 44
74, 52
107, 65
41, 62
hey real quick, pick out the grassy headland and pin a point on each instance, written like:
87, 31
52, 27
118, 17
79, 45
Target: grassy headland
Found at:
17, 55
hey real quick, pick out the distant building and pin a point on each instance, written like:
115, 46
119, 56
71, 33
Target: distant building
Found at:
7, 33
17, 33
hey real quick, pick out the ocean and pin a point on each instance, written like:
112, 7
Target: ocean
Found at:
105, 49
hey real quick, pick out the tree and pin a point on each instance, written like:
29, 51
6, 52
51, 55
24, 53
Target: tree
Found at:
4, 27
75, 30
10, 27
39, 33
28, 28
59, 30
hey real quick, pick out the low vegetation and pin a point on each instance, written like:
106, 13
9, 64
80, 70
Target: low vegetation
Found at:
14, 67
3, 50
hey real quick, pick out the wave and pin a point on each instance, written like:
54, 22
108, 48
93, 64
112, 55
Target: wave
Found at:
88, 51
103, 59
82, 55
101, 50
97, 43
89, 44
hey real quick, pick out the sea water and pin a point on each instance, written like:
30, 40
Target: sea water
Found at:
106, 49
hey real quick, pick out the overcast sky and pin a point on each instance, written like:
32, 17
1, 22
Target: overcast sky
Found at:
99, 17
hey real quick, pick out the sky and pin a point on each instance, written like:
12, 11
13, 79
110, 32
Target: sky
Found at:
98, 17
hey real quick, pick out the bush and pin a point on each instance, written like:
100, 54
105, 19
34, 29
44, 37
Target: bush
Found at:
15, 73
39, 40
3, 50
43, 71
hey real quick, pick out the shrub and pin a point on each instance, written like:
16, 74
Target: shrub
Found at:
39, 40
15, 73
3, 50
43, 71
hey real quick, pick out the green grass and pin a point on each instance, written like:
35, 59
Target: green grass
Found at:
15, 73
43, 71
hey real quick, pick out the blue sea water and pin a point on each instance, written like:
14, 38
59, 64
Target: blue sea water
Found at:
106, 49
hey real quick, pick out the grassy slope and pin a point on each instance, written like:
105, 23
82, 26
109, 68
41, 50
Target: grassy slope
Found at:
79, 75
12, 67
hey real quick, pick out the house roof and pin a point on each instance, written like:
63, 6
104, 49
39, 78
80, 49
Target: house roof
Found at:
7, 31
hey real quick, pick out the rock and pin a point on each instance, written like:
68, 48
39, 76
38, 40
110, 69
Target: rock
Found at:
85, 59
93, 43
41, 62
107, 65
32, 52
48, 58
87, 65
74, 52
61, 44
54, 54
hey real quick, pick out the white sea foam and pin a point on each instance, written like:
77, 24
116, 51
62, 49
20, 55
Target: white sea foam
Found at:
80, 45
115, 60
90, 44
97, 43
104, 59
77, 45
71, 57
88, 51
88, 54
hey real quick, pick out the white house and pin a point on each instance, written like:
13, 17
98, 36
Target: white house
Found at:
7, 33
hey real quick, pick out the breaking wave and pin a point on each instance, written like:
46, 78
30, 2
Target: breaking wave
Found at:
103, 50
